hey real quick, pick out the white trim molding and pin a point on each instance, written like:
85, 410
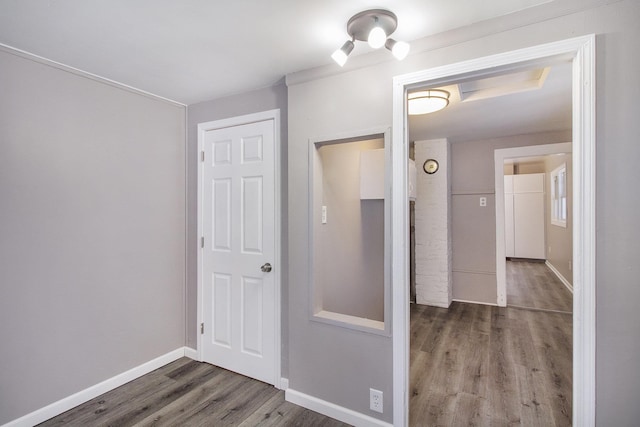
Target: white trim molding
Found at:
580, 50
69, 402
332, 410
81, 73
238, 121
465, 301
559, 275
284, 384
191, 353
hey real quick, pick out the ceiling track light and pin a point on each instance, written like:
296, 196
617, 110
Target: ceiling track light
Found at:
373, 26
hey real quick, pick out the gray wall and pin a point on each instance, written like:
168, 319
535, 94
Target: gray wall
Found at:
332, 363
92, 193
337, 365
474, 227
524, 167
349, 253
78, 200
270, 98
559, 239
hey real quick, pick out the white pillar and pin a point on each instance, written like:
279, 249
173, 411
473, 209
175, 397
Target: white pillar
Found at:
432, 222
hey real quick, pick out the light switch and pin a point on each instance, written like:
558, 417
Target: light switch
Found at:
483, 202
324, 214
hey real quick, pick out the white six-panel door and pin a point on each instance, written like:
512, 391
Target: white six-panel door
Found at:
238, 227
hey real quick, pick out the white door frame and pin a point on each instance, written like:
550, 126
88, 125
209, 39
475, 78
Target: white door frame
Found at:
580, 50
231, 122
499, 157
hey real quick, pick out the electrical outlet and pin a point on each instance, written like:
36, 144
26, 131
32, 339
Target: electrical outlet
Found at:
324, 214
375, 400
483, 202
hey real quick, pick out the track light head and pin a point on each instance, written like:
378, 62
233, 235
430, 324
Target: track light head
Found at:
377, 36
341, 55
399, 49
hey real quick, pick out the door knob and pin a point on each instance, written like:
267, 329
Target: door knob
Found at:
266, 268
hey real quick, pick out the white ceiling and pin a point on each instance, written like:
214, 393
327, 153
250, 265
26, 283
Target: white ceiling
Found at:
541, 110
195, 50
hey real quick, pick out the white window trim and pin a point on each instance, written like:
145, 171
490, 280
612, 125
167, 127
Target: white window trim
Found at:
557, 219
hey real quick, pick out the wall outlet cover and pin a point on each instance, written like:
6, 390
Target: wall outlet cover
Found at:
375, 400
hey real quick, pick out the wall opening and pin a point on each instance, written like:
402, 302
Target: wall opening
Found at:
349, 213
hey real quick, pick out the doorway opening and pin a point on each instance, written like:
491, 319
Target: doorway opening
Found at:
524, 192
580, 52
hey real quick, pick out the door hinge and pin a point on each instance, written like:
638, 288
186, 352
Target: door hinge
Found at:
202, 328
202, 242
202, 156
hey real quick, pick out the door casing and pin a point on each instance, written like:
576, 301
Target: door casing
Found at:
499, 158
581, 51
231, 122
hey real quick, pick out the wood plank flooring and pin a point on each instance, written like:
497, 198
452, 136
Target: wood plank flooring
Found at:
478, 365
534, 285
471, 365
190, 393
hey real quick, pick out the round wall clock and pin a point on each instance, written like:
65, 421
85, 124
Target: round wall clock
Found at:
430, 166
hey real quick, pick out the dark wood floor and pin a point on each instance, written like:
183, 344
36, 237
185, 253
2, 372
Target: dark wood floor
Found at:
470, 365
190, 393
534, 285
483, 365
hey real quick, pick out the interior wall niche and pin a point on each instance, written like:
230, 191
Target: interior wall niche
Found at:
349, 224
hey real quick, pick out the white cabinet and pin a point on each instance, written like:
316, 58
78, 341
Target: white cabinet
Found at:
524, 216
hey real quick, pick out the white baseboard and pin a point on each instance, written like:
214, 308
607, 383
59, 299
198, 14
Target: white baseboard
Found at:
435, 303
63, 405
191, 354
564, 281
332, 410
284, 384
476, 302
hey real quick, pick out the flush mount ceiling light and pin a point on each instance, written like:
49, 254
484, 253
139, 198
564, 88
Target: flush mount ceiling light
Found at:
373, 26
427, 101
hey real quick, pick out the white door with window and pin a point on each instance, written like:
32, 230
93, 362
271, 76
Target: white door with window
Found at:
238, 288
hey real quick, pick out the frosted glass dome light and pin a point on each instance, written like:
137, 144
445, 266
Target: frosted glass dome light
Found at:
427, 101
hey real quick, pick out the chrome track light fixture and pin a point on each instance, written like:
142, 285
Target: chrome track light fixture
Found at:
373, 26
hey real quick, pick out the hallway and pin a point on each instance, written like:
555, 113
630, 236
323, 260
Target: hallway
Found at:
482, 365
533, 285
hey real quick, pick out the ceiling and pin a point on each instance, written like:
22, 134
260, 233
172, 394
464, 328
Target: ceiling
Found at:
543, 109
195, 50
